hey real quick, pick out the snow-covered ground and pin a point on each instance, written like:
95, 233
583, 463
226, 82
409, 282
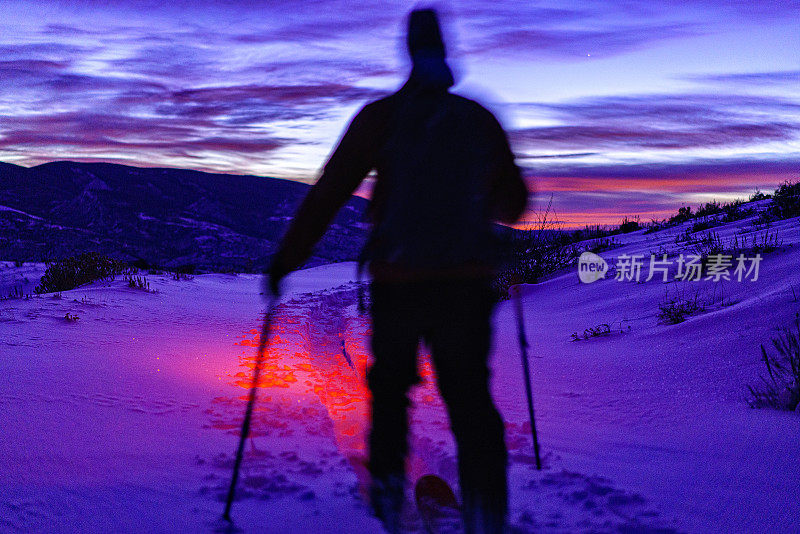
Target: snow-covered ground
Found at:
127, 419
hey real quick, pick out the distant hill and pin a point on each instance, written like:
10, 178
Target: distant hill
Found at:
165, 217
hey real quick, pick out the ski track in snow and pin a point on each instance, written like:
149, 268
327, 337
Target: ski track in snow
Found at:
305, 358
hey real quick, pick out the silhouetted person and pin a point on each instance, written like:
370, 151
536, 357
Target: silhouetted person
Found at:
444, 173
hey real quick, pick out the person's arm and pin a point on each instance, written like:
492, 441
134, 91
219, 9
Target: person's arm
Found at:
508, 193
346, 168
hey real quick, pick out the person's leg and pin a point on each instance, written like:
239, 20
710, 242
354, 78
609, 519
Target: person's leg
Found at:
460, 343
394, 347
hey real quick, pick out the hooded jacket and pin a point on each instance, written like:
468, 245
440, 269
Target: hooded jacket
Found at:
444, 172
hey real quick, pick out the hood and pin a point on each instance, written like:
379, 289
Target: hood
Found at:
427, 50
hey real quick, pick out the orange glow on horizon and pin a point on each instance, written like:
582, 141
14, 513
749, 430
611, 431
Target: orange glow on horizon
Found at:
646, 193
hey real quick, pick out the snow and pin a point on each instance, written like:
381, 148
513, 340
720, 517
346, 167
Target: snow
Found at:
127, 419
20, 279
6, 208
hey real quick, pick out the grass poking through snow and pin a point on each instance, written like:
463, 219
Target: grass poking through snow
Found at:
780, 388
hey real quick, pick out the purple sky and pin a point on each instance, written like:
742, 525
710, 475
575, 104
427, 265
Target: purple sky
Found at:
616, 107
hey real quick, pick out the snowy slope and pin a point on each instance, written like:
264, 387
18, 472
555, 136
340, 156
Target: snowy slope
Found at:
127, 419
660, 409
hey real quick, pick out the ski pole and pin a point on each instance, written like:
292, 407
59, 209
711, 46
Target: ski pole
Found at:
262, 345
523, 347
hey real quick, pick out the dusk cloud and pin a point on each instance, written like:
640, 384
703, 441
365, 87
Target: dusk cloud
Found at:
577, 43
664, 122
728, 134
266, 87
752, 78
168, 122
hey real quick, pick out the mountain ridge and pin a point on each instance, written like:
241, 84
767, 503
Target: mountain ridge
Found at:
159, 216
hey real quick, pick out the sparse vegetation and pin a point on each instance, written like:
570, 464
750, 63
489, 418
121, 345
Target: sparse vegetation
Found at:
708, 245
601, 243
629, 225
786, 200
780, 388
714, 213
735, 211
759, 243
544, 248
704, 224
539, 250
590, 231
138, 282
184, 272
676, 309
15, 293
593, 331
654, 226
660, 252
711, 244
178, 276
78, 270
683, 215
709, 208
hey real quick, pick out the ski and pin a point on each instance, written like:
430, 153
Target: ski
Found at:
358, 464
437, 505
